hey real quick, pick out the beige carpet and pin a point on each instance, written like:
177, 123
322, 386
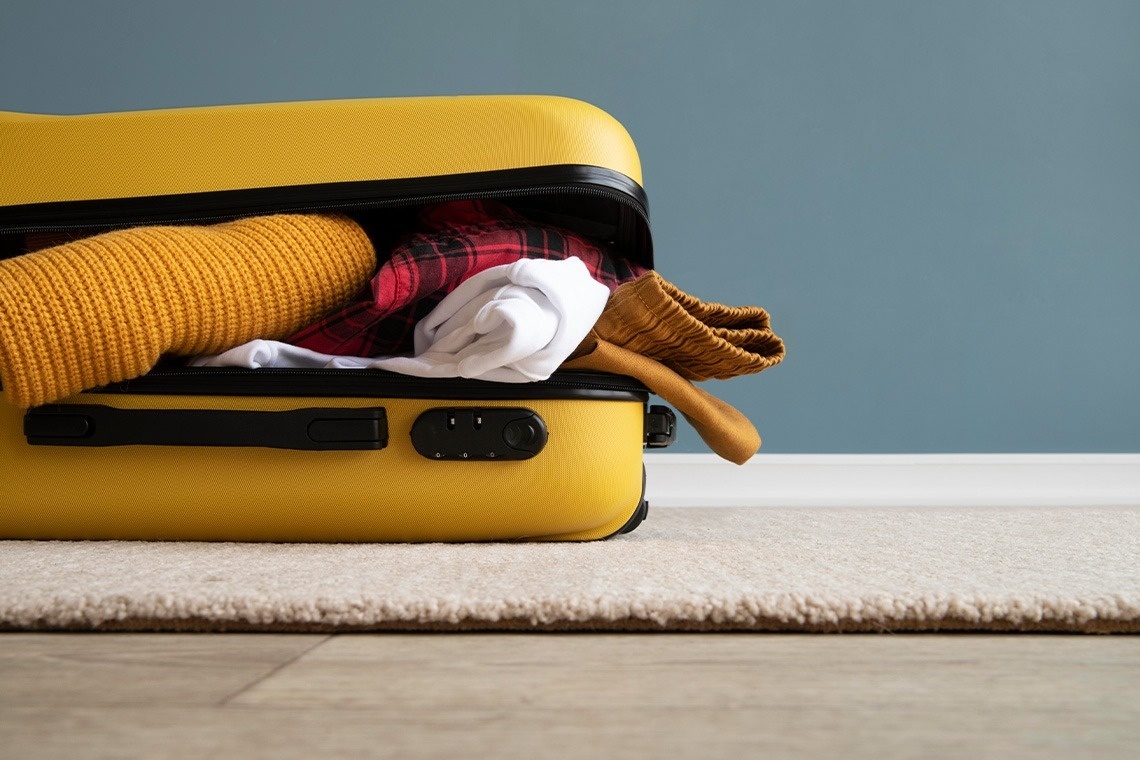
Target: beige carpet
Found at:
765, 569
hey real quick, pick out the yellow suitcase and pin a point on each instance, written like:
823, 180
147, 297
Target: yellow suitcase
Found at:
327, 455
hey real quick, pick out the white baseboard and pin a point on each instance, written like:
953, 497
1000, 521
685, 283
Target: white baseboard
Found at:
895, 480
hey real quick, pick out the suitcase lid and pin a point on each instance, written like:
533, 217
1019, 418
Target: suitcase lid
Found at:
209, 163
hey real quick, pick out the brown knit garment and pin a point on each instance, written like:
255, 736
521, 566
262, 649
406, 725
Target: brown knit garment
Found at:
698, 340
653, 331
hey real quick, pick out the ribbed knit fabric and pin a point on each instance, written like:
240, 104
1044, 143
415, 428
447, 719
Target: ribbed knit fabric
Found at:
666, 338
105, 308
699, 340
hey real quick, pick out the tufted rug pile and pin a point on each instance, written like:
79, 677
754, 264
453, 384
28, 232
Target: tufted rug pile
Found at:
684, 569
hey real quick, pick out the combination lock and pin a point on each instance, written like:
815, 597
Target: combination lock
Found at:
481, 435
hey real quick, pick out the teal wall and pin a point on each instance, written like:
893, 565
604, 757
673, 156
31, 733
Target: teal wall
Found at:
938, 202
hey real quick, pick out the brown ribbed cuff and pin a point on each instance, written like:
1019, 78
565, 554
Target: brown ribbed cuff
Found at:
698, 340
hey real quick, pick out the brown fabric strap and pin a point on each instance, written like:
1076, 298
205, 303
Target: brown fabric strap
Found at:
666, 338
726, 431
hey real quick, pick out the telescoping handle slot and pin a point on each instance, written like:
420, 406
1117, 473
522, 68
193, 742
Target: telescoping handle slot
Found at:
313, 429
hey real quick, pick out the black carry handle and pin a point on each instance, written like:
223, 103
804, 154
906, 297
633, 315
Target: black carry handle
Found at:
312, 429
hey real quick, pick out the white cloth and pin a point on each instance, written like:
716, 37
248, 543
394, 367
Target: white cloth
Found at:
514, 323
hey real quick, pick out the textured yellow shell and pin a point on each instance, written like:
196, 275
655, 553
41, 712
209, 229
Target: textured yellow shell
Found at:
49, 158
584, 484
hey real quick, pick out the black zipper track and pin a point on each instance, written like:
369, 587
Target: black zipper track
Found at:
369, 194
370, 383
633, 237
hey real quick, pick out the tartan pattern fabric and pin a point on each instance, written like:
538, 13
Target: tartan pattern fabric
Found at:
458, 239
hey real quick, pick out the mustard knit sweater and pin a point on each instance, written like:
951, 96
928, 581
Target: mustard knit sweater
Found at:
105, 308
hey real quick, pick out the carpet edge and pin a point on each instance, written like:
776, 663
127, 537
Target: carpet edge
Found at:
630, 625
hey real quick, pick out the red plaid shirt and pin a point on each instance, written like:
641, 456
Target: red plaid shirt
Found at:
461, 239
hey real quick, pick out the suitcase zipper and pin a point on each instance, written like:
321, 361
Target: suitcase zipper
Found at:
503, 184
238, 381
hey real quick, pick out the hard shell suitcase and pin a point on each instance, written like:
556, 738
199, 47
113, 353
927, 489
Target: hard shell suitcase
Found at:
327, 455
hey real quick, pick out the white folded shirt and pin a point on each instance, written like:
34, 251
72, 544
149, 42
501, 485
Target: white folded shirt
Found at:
514, 323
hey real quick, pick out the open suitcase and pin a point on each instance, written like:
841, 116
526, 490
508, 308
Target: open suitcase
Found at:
327, 455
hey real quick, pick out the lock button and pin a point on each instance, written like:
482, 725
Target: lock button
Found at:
523, 435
